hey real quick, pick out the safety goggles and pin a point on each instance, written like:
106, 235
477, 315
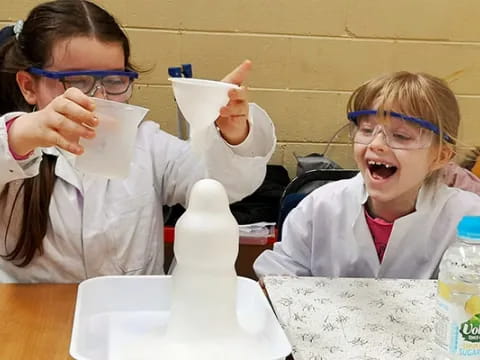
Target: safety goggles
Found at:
116, 84
400, 131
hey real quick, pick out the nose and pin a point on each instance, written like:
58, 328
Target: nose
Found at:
379, 140
98, 91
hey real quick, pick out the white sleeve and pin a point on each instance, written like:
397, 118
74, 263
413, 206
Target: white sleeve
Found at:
261, 138
11, 169
241, 169
293, 254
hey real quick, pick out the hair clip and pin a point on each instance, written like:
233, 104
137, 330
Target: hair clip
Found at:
17, 28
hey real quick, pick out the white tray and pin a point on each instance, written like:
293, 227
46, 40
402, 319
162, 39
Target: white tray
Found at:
114, 311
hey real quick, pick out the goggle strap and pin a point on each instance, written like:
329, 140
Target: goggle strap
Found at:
95, 73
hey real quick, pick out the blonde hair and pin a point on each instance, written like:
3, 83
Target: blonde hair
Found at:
415, 94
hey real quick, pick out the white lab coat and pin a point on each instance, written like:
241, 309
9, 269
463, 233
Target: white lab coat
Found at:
327, 234
99, 226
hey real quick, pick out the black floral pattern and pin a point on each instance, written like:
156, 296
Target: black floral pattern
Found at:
355, 319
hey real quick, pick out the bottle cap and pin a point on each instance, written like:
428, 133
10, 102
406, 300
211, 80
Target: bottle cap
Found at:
469, 228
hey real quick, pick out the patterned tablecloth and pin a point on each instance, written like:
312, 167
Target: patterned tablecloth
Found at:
353, 319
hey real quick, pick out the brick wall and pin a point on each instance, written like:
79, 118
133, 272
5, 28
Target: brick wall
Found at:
308, 55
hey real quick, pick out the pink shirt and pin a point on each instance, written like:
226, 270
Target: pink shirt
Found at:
456, 176
380, 230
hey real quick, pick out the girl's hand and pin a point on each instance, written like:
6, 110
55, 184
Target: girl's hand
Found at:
232, 122
61, 123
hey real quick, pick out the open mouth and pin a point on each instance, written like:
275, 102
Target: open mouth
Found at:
380, 170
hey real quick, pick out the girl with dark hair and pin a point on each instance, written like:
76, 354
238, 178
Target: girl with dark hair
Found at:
59, 225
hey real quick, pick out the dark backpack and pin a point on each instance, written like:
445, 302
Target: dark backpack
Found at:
262, 205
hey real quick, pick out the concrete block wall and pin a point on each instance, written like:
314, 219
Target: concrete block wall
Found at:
308, 55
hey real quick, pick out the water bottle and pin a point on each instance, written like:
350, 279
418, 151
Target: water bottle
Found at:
457, 327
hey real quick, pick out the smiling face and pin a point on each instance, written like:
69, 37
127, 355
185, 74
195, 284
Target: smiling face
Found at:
394, 159
384, 149
393, 177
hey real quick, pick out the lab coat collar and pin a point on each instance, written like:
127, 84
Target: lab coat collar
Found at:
427, 195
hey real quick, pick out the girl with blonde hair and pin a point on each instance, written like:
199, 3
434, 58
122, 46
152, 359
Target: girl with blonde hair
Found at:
396, 218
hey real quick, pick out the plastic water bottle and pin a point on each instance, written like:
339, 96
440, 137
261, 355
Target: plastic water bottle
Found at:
457, 328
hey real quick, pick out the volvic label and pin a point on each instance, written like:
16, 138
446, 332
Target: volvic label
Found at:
457, 328
470, 329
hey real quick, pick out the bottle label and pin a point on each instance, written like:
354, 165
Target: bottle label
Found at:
457, 329
470, 329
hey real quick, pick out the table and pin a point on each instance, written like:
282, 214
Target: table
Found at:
353, 319
324, 318
36, 321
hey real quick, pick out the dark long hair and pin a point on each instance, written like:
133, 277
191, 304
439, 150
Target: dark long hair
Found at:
46, 24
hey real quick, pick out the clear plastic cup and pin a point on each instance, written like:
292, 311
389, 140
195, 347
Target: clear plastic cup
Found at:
109, 154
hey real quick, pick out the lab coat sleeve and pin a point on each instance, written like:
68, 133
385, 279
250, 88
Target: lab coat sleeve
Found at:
11, 169
292, 255
241, 169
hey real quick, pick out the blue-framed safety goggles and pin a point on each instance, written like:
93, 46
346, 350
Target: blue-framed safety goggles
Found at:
114, 82
355, 115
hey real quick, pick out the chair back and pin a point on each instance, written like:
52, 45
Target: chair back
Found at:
303, 185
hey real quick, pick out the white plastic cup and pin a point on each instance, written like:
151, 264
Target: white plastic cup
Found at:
200, 100
109, 154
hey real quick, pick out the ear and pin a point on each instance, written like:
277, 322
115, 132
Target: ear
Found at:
26, 83
442, 156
